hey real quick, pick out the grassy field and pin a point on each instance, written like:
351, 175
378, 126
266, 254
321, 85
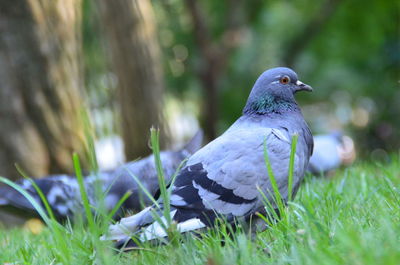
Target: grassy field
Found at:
352, 217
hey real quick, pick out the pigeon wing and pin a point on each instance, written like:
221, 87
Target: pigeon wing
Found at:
222, 178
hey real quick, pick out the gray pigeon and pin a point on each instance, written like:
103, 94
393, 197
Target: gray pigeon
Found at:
330, 152
62, 191
221, 179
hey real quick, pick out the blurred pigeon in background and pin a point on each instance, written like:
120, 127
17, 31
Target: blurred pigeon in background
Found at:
62, 191
222, 178
330, 152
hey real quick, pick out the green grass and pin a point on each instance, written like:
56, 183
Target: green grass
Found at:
350, 218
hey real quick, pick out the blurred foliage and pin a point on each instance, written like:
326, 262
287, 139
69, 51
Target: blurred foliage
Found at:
352, 60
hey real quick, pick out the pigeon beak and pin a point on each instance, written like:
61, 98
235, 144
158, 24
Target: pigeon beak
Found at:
302, 87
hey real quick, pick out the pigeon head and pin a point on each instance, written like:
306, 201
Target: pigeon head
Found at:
274, 92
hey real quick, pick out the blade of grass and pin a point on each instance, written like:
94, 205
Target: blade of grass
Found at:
278, 197
291, 165
39, 192
160, 173
53, 225
82, 190
89, 137
142, 187
29, 197
57, 229
118, 205
173, 178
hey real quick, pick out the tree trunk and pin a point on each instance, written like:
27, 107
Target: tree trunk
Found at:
209, 77
40, 100
214, 54
129, 31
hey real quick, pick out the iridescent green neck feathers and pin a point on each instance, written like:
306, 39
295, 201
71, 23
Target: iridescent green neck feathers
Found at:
269, 104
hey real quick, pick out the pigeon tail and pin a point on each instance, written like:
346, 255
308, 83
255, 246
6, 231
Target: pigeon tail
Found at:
124, 229
145, 226
195, 143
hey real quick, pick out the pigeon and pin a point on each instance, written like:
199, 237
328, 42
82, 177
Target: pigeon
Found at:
224, 178
330, 152
62, 191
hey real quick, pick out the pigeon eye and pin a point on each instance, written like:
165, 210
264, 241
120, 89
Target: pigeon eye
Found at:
284, 80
